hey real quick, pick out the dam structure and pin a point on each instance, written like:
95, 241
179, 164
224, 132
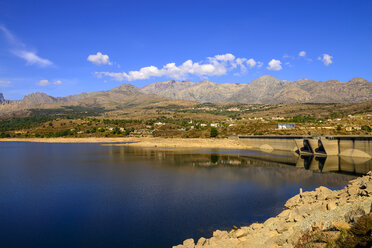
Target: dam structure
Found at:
337, 145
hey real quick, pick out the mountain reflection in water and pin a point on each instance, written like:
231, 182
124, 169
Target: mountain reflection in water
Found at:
249, 158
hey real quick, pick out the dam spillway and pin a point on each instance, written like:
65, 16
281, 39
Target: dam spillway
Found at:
337, 145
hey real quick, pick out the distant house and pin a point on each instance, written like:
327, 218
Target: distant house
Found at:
214, 124
233, 109
286, 126
349, 129
277, 118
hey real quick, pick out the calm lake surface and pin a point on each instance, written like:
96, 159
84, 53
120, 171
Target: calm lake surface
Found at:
88, 195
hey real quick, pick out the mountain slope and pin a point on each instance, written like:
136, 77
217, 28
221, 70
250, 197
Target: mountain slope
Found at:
124, 96
266, 89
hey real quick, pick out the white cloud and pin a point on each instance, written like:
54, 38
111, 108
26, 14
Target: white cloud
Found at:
274, 65
43, 83
259, 64
5, 83
225, 57
47, 82
19, 49
326, 59
251, 63
32, 59
239, 62
214, 66
99, 59
10, 37
302, 54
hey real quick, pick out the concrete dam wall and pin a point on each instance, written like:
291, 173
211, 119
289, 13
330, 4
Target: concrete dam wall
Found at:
345, 146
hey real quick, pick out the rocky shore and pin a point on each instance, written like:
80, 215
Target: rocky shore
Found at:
322, 209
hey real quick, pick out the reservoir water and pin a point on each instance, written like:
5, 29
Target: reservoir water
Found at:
88, 195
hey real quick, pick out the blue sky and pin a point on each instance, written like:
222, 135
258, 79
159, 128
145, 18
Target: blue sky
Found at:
46, 45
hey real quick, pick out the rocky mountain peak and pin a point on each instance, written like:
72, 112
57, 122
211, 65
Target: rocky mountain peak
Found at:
207, 82
126, 88
39, 98
358, 80
265, 80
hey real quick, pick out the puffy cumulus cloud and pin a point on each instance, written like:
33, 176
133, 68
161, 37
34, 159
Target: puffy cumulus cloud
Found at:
239, 62
326, 59
5, 83
99, 59
275, 65
45, 82
32, 59
302, 54
224, 57
251, 63
215, 66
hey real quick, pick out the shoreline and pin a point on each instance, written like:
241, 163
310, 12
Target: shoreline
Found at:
324, 213
223, 143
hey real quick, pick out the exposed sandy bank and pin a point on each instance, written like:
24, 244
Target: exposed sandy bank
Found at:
145, 142
71, 140
188, 143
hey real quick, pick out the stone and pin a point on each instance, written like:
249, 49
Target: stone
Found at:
354, 215
284, 214
363, 193
189, 243
323, 190
282, 227
331, 206
294, 217
221, 234
292, 202
256, 226
212, 241
201, 241
240, 233
352, 190
269, 222
341, 225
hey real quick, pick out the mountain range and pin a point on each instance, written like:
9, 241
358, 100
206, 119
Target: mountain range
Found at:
264, 90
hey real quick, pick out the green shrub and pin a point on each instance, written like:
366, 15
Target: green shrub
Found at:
213, 132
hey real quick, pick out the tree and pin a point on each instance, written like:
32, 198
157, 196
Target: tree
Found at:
214, 132
339, 127
366, 128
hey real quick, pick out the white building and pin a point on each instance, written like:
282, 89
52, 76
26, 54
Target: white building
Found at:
286, 126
